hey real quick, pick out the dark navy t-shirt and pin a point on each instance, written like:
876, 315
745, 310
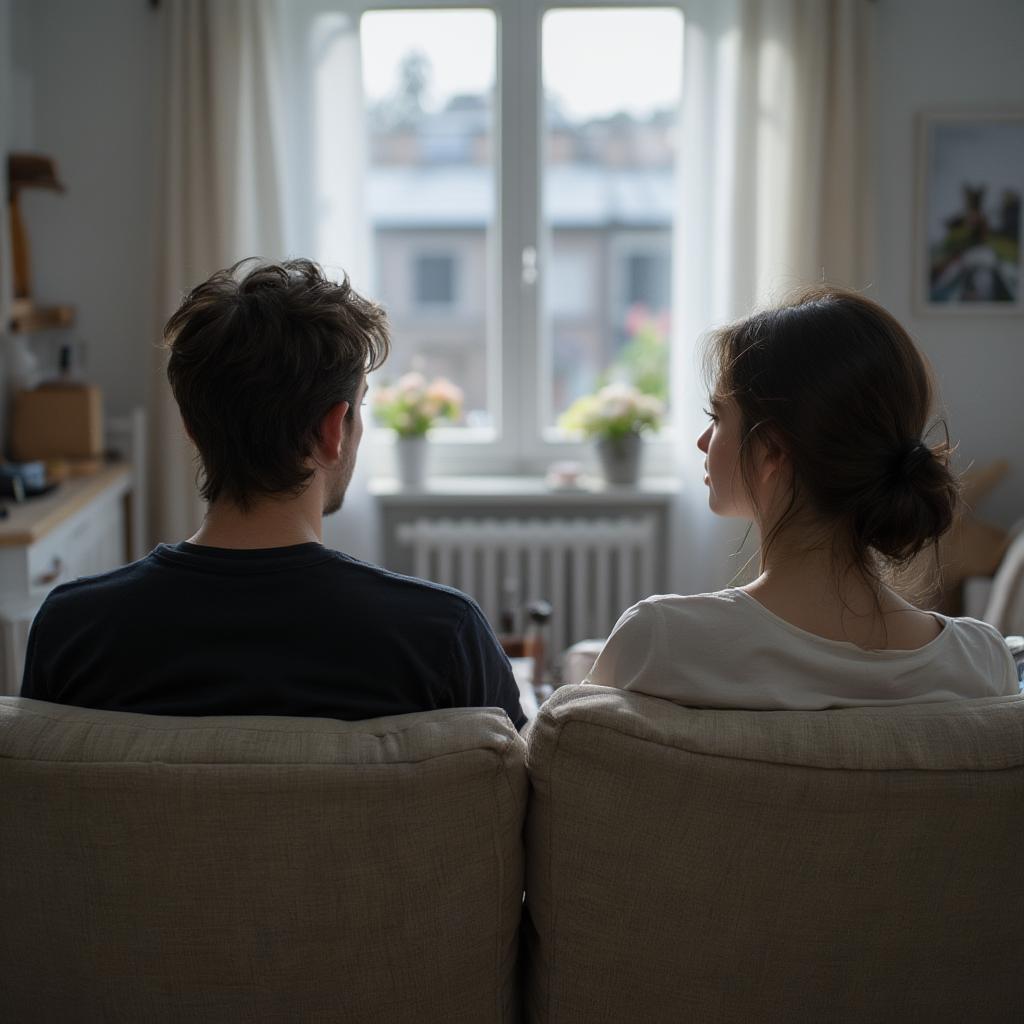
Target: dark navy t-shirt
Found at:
301, 630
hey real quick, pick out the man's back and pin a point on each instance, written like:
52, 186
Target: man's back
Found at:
299, 630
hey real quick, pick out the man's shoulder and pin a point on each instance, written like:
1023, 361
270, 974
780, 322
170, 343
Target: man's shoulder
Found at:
339, 580
97, 587
409, 589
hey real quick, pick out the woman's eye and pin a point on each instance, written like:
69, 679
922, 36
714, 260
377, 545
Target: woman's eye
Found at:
710, 415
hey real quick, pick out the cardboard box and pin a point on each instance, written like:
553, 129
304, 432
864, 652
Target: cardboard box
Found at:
57, 421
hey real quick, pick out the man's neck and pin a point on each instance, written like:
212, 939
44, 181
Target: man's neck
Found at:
267, 524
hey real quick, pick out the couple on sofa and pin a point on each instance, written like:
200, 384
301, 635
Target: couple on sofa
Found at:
817, 413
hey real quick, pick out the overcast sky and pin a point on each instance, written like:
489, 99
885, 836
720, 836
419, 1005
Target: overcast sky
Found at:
595, 62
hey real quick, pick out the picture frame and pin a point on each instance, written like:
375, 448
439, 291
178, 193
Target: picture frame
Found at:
969, 237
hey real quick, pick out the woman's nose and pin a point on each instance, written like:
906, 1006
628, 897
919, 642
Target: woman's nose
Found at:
702, 441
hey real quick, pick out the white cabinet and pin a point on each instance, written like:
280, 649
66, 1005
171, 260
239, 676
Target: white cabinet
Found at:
79, 530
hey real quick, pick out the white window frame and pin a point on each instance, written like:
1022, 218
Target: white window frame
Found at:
517, 392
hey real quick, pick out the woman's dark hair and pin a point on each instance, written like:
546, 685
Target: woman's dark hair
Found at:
833, 381
257, 362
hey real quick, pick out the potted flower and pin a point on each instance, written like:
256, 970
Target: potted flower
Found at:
616, 416
411, 407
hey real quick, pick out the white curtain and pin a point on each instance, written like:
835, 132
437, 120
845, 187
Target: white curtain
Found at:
261, 156
774, 192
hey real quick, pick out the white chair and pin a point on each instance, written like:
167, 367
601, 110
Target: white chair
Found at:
1005, 606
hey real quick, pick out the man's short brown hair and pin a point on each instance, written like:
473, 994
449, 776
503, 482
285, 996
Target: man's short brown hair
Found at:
255, 364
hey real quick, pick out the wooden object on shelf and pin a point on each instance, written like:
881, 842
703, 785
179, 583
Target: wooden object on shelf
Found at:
27, 318
26, 170
57, 421
30, 170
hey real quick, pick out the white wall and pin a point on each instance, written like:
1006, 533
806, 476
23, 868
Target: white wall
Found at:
951, 55
93, 107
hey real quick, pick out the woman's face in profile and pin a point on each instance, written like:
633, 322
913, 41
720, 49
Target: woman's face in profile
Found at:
720, 444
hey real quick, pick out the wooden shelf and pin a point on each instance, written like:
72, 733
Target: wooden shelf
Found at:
42, 318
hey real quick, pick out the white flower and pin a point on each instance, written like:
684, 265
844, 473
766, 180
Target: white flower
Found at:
650, 407
411, 383
615, 409
384, 397
444, 391
412, 405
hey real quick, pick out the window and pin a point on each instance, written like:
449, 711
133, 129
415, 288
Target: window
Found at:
435, 280
429, 83
611, 83
520, 193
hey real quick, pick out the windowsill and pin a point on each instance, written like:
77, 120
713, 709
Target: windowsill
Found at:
484, 490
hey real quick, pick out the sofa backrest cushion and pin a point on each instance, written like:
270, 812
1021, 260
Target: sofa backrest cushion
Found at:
851, 865
274, 869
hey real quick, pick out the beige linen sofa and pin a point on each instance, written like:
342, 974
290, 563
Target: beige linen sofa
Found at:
258, 869
696, 866
857, 865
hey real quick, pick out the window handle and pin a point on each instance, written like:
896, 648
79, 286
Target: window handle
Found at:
529, 265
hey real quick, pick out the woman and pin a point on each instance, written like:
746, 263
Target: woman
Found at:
818, 412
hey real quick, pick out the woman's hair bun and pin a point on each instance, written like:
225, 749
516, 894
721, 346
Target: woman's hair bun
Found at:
915, 455
914, 505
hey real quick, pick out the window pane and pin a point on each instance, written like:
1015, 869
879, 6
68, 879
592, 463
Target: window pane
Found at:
612, 85
435, 280
429, 78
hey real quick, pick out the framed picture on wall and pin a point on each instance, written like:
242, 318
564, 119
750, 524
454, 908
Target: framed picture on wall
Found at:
968, 239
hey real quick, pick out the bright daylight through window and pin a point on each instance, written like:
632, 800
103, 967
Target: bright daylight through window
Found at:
429, 81
594, 150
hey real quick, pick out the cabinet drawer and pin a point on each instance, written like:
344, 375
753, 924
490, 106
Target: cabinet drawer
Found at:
88, 543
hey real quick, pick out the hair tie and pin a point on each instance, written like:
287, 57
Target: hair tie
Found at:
913, 456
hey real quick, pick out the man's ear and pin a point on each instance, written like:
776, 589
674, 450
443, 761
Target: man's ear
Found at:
332, 433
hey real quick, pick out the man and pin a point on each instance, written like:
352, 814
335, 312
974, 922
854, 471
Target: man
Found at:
253, 615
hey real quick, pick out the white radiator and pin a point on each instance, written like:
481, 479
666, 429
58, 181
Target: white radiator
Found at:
590, 570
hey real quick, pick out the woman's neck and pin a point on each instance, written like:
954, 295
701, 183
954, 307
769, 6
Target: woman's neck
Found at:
819, 591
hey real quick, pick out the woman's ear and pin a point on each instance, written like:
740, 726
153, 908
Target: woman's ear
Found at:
773, 456
772, 465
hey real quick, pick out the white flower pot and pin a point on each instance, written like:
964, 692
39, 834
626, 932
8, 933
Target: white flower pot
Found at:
620, 459
411, 461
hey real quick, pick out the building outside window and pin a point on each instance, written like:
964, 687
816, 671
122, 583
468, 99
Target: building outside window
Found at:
434, 277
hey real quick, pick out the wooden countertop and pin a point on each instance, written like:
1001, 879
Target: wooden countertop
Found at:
34, 519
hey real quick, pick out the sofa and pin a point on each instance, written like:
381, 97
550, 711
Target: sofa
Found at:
863, 864
680, 865
251, 869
